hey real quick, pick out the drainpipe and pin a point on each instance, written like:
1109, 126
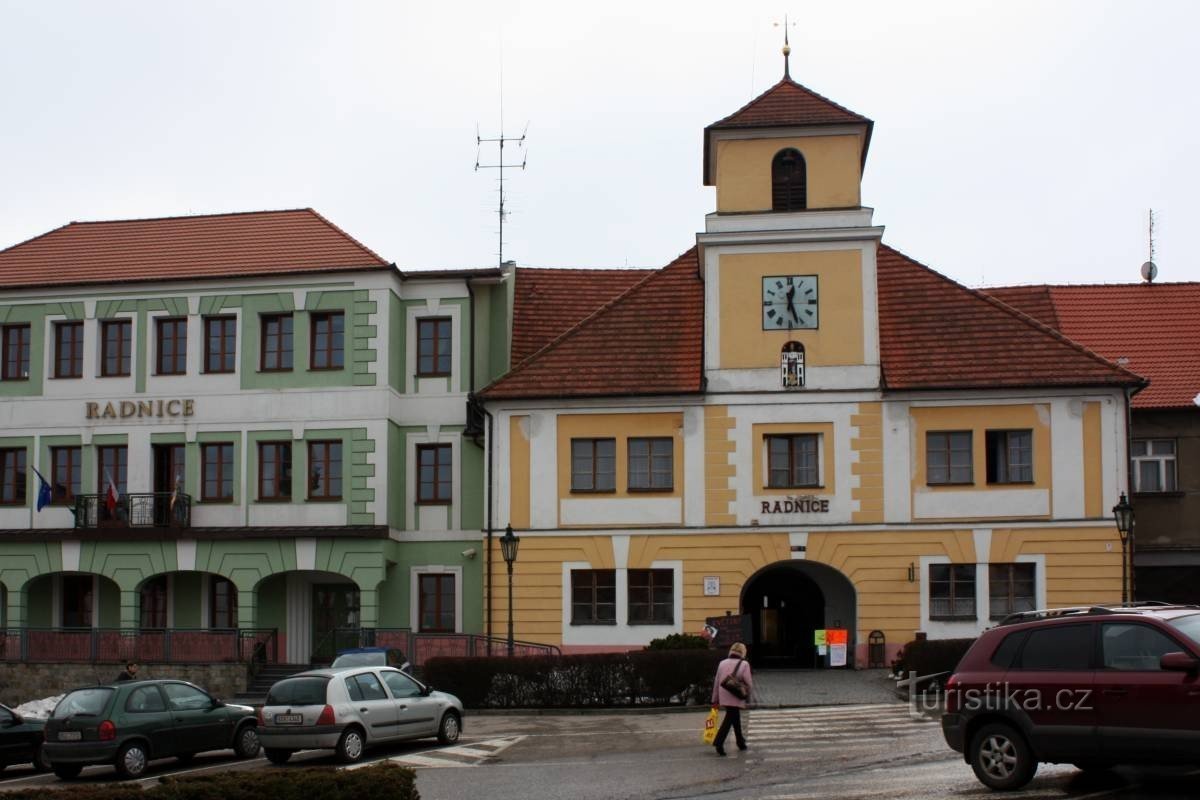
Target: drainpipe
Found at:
471, 311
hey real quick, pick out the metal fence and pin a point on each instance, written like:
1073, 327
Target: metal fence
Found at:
420, 647
152, 510
160, 645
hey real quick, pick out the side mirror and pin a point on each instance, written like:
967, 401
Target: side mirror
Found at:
1179, 662
217, 702
426, 691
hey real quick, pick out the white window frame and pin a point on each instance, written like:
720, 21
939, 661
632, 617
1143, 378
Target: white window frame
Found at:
1162, 460
414, 595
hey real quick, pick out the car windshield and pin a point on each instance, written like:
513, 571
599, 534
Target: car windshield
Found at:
375, 659
306, 691
82, 703
1189, 626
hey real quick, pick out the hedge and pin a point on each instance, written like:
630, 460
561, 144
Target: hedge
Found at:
645, 677
930, 656
383, 781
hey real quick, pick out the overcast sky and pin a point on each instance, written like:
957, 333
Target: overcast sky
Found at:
1014, 142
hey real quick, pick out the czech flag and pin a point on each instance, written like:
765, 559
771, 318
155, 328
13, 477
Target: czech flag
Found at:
111, 495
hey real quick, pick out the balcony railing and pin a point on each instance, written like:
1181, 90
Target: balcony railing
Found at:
157, 645
154, 510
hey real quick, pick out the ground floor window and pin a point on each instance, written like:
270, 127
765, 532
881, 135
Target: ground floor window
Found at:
952, 591
1011, 589
154, 603
222, 604
593, 597
436, 593
651, 597
78, 598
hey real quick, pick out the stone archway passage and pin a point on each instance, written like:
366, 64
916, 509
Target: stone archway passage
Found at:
787, 602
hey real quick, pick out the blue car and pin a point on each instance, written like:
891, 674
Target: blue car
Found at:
372, 657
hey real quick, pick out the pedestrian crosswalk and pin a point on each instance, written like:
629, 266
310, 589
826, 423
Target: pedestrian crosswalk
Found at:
471, 754
786, 733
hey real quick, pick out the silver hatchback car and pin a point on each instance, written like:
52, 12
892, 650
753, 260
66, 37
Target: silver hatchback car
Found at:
347, 710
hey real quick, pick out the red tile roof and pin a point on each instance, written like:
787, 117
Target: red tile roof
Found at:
935, 333
787, 104
645, 341
177, 248
547, 302
1151, 328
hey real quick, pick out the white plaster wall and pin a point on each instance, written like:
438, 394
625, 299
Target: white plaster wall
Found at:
1066, 457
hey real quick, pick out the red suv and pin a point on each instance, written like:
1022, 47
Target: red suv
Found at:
1093, 686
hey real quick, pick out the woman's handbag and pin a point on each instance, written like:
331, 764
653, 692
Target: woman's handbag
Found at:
710, 727
735, 685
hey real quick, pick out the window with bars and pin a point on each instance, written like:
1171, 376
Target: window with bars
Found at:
116, 347
435, 474
66, 474
593, 597
789, 181
171, 346
952, 591
651, 597
68, 349
13, 479
436, 593
1010, 456
222, 604
433, 347
792, 461
220, 344
325, 470
651, 464
1011, 589
216, 469
15, 366
948, 458
327, 339
274, 470
1154, 465
593, 465
276, 346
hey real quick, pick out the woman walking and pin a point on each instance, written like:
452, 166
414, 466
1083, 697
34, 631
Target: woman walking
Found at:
731, 672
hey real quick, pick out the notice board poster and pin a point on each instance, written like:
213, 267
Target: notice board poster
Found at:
730, 628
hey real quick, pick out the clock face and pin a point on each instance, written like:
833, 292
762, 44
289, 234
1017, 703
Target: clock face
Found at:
789, 302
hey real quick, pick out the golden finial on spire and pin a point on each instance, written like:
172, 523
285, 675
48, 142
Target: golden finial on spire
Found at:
787, 48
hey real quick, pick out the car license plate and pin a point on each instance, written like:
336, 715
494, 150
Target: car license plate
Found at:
288, 719
69, 736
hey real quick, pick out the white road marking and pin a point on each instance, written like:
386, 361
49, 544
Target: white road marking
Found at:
476, 752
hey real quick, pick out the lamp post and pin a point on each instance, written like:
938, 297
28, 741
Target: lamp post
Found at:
1123, 514
508, 548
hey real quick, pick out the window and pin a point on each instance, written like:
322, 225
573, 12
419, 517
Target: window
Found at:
77, 601
1060, 647
792, 461
1010, 456
68, 349
16, 353
593, 465
114, 463
216, 465
436, 473
436, 603
1154, 465
327, 337
948, 458
952, 591
145, 700
274, 470
1011, 589
1129, 646
222, 603
593, 597
66, 467
276, 353
789, 182
182, 697
154, 603
324, 470
365, 687
791, 365
433, 347
12, 476
401, 685
651, 597
171, 340
651, 465
220, 343
116, 338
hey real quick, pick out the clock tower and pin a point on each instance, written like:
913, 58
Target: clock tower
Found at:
788, 256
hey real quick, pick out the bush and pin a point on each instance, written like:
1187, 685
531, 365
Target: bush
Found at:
680, 641
647, 677
930, 656
384, 781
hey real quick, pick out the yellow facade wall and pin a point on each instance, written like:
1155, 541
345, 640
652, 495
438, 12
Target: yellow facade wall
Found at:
833, 164
1093, 466
518, 471
622, 428
719, 446
1083, 565
839, 339
867, 443
828, 466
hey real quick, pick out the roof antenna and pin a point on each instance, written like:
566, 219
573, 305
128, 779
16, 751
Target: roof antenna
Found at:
787, 48
500, 164
1149, 270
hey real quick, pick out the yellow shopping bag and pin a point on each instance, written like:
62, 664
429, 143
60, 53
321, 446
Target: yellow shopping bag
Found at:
710, 726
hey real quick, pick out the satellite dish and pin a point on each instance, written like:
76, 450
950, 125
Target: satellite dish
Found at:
1149, 271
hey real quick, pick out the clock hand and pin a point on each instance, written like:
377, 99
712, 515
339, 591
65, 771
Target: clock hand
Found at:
791, 305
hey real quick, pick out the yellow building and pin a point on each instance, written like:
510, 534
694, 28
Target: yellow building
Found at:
795, 423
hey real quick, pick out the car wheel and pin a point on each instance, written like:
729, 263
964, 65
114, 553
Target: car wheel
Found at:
1000, 757
245, 744
41, 762
450, 728
350, 746
67, 771
132, 760
277, 756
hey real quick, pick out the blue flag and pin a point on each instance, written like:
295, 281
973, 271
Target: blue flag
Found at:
44, 495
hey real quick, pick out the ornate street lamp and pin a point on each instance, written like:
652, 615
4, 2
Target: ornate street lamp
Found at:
508, 548
1123, 514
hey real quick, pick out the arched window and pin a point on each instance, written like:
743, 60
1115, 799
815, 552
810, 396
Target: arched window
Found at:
789, 181
791, 365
